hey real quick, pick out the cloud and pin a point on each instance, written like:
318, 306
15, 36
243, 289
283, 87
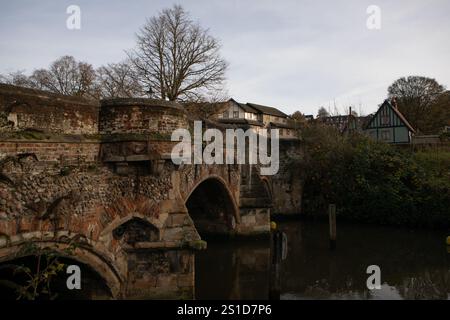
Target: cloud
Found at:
297, 55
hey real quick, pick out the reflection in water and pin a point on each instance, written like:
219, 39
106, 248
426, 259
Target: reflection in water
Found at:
414, 265
233, 271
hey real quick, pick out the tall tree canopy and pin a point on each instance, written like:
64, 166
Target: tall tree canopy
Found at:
118, 80
65, 76
68, 76
418, 98
298, 116
176, 59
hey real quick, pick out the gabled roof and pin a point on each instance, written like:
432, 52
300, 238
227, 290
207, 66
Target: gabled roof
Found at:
244, 106
268, 110
257, 108
396, 111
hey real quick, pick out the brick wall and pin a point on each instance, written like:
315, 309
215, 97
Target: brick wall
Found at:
48, 151
141, 116
287, 184
22, 108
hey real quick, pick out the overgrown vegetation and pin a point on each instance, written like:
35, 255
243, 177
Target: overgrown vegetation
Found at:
35, 283
374, 182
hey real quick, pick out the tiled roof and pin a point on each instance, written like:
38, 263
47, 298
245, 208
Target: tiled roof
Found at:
267, 110
402, 117
257, 108
241, 121
397, 112
282, 125
244, 106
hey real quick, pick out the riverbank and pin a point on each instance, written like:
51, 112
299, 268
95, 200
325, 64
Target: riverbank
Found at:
374, 182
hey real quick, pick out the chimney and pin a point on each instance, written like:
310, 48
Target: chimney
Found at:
350, 111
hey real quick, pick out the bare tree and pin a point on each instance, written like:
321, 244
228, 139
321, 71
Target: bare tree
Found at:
65, 76
118, 80
176, 58
415, 98
17, 78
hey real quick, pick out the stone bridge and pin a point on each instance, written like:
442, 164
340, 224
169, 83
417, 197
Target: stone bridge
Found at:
97, 178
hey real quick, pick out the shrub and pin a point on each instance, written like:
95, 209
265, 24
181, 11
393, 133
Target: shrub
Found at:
374, 182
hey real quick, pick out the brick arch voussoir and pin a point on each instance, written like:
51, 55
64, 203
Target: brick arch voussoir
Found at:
226, 187
84, 250
126, 209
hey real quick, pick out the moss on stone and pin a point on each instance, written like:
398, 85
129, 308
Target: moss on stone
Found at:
197, 244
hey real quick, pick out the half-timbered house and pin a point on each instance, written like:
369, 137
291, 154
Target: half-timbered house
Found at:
389, 125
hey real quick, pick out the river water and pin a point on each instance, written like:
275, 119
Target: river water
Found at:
414, 265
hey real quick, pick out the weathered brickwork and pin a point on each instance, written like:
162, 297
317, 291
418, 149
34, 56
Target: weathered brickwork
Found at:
141, 116
22, 108
161, 274
53, 151
287, 184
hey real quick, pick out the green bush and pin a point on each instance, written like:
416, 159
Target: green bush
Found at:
374, 182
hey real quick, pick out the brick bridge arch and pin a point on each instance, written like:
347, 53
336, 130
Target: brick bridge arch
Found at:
211, 191
212, 207
85, 251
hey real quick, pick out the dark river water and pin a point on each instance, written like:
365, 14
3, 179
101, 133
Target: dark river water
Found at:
413, 264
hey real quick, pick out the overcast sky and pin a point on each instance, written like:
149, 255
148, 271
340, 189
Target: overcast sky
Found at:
295, 55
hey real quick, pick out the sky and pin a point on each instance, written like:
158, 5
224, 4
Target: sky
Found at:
291, 54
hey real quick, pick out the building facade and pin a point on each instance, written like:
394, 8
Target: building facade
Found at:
389, 125
255, 116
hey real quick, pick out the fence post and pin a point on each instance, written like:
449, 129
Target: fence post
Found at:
332, 221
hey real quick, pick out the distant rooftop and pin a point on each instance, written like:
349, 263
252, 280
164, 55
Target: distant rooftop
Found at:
257, 108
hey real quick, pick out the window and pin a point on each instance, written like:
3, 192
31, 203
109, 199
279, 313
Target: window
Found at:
384, 117
225, 114
235, 114
250, 116
385, 135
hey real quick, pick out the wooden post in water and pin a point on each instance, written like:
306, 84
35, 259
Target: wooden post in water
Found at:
332, 220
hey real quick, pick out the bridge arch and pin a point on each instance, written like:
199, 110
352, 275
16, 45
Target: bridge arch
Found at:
120, 222
212, 206
267, 187
86, 254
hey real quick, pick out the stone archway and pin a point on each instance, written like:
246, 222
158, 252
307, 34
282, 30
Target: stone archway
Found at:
92, 263
212, 207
